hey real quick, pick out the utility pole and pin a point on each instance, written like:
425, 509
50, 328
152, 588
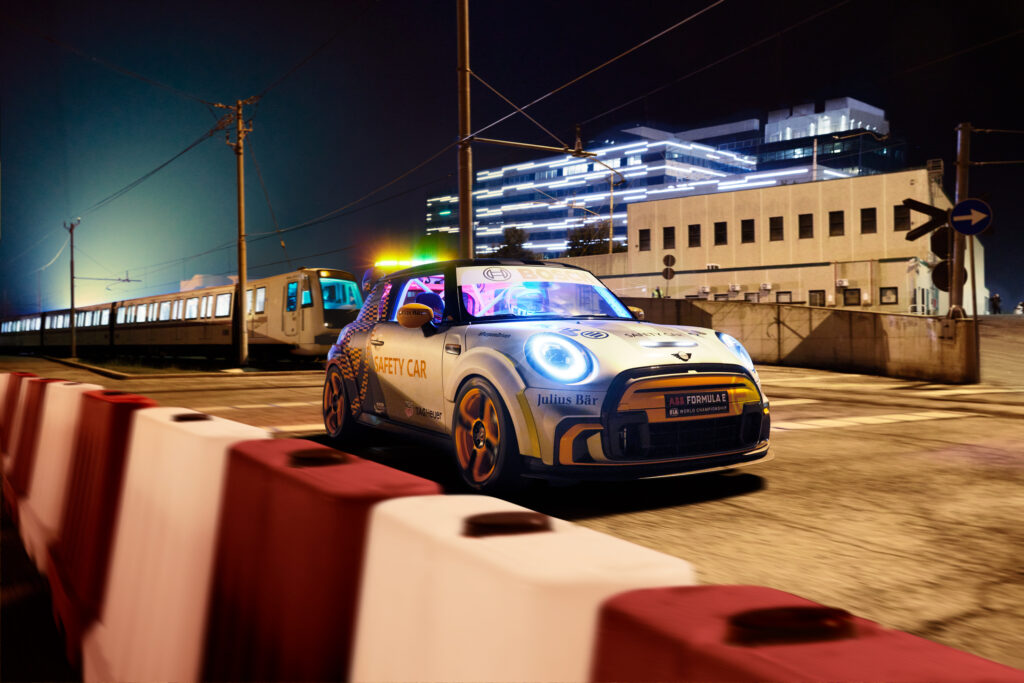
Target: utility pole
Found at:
240, 316
465, 153
71, 232
963, 163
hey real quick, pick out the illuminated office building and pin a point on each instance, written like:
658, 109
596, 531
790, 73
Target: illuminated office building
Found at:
548, 197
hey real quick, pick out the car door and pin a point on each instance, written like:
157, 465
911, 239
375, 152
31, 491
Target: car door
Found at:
408, 361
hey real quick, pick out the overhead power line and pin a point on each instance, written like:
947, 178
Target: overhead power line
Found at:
102, 62
715, 63
601, 66
138, 181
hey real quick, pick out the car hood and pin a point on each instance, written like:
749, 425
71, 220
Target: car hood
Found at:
617, 345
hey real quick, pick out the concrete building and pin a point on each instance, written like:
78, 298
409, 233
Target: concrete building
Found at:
835, 243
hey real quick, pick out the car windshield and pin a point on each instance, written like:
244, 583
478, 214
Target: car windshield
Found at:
490, 292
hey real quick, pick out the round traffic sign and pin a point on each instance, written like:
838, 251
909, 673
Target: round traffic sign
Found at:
970, 216
669, 260
668, 273
941, 275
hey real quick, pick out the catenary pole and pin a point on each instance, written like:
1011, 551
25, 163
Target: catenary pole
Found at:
963, 160
71, 231
239, 319
465, 152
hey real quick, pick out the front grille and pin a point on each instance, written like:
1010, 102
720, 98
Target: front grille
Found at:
690, 438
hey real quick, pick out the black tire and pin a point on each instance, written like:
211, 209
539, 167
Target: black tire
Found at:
339, 422
484, 440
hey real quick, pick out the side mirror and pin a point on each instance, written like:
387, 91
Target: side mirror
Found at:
638, 312
414, 316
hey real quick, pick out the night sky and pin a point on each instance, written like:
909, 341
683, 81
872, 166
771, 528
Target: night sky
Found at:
356, 93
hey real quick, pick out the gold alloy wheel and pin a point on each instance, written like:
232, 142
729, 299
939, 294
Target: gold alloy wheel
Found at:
334, 403
477, 435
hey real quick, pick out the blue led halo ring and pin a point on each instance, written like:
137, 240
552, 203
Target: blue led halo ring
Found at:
559, 358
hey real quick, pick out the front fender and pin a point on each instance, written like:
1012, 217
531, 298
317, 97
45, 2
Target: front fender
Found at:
501, 372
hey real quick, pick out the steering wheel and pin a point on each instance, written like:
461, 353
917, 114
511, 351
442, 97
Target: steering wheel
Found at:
522, 301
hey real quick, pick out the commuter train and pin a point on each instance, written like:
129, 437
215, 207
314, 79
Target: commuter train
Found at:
299, 313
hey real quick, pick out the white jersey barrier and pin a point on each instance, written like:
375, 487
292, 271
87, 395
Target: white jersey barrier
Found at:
41, 511
151, 625
472, 588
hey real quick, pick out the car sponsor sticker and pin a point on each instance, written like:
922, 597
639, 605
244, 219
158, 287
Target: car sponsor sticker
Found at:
697, 403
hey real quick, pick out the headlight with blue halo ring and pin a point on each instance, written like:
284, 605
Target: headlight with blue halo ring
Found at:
559, 358
737, 349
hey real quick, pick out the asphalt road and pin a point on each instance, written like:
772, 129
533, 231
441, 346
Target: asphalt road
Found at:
897, 500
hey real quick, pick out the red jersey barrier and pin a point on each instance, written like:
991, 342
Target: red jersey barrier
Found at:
734, 634
22, 458
289, 556
9, 410
472, 588
151, 623
40, 512
80, 557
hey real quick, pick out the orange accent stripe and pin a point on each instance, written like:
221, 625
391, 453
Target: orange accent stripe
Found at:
565, 443
649, 395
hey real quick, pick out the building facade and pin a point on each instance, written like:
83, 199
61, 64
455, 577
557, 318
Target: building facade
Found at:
837, 243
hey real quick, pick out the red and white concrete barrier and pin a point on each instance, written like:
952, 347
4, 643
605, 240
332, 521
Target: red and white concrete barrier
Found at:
471, 588
10, 395
289, 558
736, 634
22, 458
41, 511
79, 558
151, 624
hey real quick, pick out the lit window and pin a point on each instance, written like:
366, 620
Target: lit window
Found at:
140, 313
105, 317
248, 301
291, 297
165, 310
192, 308
121, 312
261, 299
223, 305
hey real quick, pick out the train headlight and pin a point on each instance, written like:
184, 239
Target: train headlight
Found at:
559, 358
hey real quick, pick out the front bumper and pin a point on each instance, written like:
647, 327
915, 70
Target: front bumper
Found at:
636, 436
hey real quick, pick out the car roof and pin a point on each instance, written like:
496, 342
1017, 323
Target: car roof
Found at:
425, 268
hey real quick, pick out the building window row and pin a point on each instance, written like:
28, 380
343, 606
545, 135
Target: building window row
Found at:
776, 228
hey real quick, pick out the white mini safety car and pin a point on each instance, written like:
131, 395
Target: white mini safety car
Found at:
536, 369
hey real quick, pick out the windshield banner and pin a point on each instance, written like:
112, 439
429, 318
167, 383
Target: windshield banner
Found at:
501, 275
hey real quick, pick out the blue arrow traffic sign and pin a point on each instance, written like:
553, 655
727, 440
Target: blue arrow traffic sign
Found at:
970, 216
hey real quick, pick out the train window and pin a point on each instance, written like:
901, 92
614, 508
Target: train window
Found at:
223, 305
176, 310
120, 315
165, 310
152, 312
105, 317
204, 307
248, 301
307, 296
192, 308
131, 314
291, 296
261, 299
339, 293
140, 313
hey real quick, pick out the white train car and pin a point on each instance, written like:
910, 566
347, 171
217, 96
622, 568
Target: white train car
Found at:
299, 313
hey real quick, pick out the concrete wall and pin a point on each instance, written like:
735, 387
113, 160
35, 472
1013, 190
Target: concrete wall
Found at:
929, 348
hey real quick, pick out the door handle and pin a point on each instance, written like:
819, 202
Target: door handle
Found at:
377, 342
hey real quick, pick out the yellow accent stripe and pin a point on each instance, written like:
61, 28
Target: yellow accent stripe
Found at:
531, 426
649, 395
